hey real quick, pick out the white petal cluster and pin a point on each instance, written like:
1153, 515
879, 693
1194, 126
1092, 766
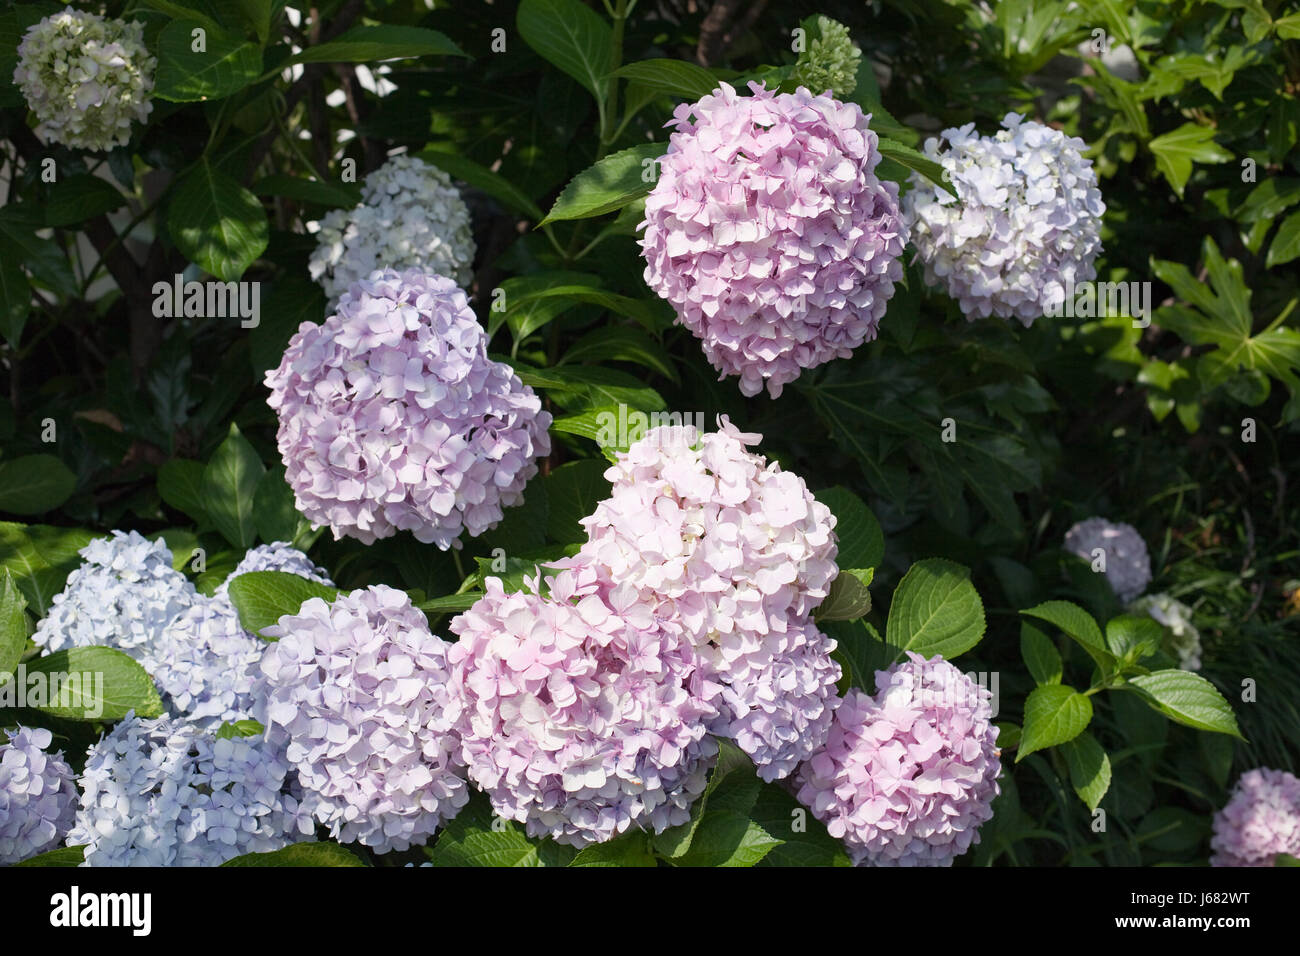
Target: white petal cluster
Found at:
1024, 227
1181, 636
410, 217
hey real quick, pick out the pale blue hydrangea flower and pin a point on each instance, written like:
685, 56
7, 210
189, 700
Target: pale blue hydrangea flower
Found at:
37, 795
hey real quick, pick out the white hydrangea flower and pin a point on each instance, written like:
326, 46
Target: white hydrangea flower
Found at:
163, 793
410, 217
1181, 636
123, 596
206, 664
1127, 564
1024, 226
86, 78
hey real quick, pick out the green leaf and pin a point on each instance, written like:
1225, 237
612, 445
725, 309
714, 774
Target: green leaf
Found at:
13, 624
675, 842
1282, 859
263, 597
450, 604
572, 491
480, 177
849, 597
1078, 624
618, 343
582, 387
1286, 244
292, 300
914, 160
729, 839
1187, 698
215, 222
274, 514
1089, 768
1040, 654
229, 485
34, 484
1175, 152
38, 580
79, 197
1054, 713
180, 484
383, 42
301, 854
475, 837
860, 651
629, 849
322, 193
1133, 636
805, 841
62, 856
240, 728
610, 184
861, 542
180, 11
1288, 27
226, 65
571, 36
15, 295
674, 77
935, 610
94, 683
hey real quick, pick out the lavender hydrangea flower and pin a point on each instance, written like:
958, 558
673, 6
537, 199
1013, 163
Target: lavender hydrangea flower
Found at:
907, 777
740, 553
1260, 820
164, 793
357, 693
123, 596
1024, 228
206, 664
86, 78
1181, 636
580, 713
277, 556
392, 416
37, 797
770, 233
410, 217
1127, 564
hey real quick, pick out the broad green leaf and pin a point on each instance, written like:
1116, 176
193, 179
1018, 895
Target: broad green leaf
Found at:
1176, 151
263, 597
861, 542
480, 177
34, 484
1187, 698
1078, 624
860, 651
849, 597
572, 491
62, 856
915, 160
15, 295
79, 197
935, 610
274, 514
183, 11
240, 728
805, 841
215, 222
675, 842
384, 42
674, 77
619, 343
292, 300
571, 36
578, 388
451, 604
94, 683
628, 849
1133, 636
610, 184
729, 839
180, 484
1089, 768
1040, 654
13, 624
1286, 244
226, 65
38, 580
475, 837
1054, 714
229, 486
301, 854
322, 193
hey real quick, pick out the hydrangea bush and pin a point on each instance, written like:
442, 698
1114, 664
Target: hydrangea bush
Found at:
564, 433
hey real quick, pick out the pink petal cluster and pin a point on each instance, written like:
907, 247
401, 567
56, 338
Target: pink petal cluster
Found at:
740, 553
1260, 820
356, 692
393, 418
580, 712
770, 233
907, 777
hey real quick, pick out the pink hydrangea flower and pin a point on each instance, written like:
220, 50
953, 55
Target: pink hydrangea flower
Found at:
907, 777
393, 418
770, 233
580, 712
1260, 820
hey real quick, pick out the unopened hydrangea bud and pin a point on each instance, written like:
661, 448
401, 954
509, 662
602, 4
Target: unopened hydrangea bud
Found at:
393, 418
1127, 564
1260, 820
410, 217
38, 799
1024, 227
830, 61
86, 78
770, 234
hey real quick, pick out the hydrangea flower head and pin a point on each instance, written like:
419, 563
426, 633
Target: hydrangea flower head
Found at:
830, 61
770, 233
1127, 567
356, 692
410, 217
392, 416
164, 793
207, 665
37, 796
1024, 227
1181, 636
123, 596
907, 777
277, 556
580, 713
740, 552
86, 78
1260, 820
